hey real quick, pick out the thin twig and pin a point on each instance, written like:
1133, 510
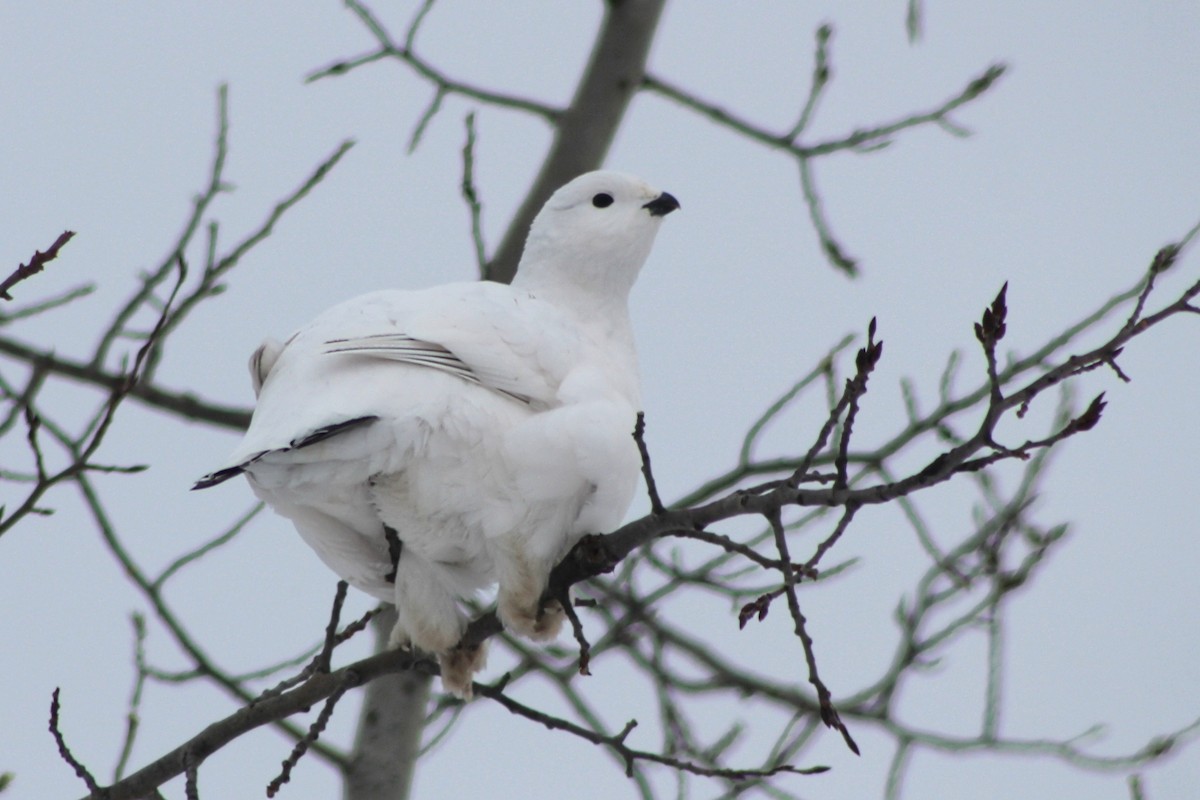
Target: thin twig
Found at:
639, 436
36, 264
65, 753
206, 548
829, 714
314, 732
816, 214
388, 48
616, 742
471, 195
133, 716
331, 630
42, 306
183, 404
821, 74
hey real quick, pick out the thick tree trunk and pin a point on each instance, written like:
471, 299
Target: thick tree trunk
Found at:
389, 729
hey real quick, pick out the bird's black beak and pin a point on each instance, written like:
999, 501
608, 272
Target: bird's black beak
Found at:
662, 205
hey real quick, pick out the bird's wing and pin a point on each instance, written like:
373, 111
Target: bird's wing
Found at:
405, 349
353, 389
508, 340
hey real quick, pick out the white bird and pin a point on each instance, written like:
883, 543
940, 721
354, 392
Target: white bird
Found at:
430, 443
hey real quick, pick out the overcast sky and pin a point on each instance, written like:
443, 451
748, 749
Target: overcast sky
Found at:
1084, 161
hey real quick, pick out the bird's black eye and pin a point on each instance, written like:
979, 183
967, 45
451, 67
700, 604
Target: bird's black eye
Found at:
602, 200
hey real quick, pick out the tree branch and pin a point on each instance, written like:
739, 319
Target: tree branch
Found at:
317, 689
182, 404
616, 742
35, 265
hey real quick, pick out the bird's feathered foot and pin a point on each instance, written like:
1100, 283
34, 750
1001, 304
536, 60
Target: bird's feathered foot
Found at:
459, 665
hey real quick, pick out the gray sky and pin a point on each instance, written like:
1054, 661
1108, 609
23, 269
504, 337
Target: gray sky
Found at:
1083, 163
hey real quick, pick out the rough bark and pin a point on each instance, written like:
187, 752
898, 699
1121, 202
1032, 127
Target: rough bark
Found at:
389, 729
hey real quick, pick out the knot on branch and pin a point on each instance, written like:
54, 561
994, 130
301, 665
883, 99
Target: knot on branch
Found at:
590, 557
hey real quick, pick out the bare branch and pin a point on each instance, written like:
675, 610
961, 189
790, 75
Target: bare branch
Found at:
829, 714
616, 742
471, 195
821, 75
861, 140
331, 630
816, 213
209, 283
318, 688
183, 404
639, 434
204, 664
132, 716
388, 48
216, 185
35, 265
8, 317
914, 20
314, 731
206, 548
756, 428
63, 751
856, 140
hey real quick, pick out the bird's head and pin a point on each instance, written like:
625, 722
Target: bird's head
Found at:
593, 235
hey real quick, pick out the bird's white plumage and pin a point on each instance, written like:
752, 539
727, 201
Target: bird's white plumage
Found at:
477, 428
